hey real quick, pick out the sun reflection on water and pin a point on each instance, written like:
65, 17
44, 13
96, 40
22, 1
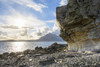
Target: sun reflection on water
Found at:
18, 46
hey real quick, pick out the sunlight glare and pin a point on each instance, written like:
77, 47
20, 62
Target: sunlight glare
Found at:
18, 46
19, 22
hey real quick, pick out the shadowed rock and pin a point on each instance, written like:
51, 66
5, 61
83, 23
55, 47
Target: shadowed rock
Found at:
47, 62
79, 21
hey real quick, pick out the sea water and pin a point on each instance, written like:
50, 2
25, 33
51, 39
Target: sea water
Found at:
21, 46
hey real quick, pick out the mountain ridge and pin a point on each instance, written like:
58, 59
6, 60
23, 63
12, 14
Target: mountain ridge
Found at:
47, 37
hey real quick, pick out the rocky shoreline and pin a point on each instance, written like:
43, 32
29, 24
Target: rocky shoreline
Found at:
52, 56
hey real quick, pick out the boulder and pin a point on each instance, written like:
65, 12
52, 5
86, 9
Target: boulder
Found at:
79, 21
56, 48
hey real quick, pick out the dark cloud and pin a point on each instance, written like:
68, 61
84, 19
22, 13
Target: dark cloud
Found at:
42, 31
39, 33
10, 27
25, 27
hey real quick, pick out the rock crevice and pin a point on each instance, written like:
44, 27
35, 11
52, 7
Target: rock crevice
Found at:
79, 21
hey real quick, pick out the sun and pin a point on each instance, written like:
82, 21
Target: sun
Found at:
19, 22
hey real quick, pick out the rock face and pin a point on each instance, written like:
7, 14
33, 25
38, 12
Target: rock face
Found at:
79, 21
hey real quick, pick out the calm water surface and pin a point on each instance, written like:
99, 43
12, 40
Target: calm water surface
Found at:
21, 46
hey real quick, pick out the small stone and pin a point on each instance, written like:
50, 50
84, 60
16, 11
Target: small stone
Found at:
30, 59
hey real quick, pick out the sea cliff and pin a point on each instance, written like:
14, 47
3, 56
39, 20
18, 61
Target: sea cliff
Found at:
79, 21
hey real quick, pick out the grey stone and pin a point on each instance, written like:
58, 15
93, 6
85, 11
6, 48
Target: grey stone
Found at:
79, 21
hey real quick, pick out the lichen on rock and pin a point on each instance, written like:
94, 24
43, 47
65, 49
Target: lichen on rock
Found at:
79, 21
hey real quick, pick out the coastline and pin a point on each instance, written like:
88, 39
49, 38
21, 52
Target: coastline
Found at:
52, 56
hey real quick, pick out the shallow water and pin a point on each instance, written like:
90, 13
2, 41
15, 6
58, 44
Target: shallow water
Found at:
21, 46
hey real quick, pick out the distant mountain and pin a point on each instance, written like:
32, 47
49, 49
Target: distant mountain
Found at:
50, 37
47, 37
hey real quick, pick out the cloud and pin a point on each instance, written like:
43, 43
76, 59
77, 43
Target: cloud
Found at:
43, 31
31, 4
25, 26
11, 27
40, 32
18, 25
24, 33
56, 26
51, 21
16, 34
22, 20
5, 36
3, 33
63, 2
31, 28
27, 3
11, 32
56, 29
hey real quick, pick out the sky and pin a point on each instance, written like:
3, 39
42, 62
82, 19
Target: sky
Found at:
28, 19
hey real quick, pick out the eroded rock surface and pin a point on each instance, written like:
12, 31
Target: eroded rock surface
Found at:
80, 24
